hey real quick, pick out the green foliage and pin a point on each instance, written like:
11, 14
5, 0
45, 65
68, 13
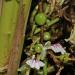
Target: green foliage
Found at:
47, 36
38, 48
64, 58
7, 26
40, 18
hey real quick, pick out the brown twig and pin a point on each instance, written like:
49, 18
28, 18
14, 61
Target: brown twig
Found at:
72, 59
56, 61
59, 71
62, 12
41, 34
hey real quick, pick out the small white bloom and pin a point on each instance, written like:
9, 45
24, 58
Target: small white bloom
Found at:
34, 63
38, 64
58, 48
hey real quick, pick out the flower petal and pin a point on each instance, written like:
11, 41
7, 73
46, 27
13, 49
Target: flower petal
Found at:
58, 48
37, 66
30, 63
41, 64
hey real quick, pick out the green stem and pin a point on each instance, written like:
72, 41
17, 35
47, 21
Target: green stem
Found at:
33, 29
37, 30
7, 26
51, 22
45, 68
27, 72
18, 38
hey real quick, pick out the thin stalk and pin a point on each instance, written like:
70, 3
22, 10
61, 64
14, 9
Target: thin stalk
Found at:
27, 72
51, 22
45, 68
41, 38
42, 27
59, 71
42, 34
37, 30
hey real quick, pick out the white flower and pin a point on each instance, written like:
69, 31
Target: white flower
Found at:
58, 48
55, 47
34, 63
